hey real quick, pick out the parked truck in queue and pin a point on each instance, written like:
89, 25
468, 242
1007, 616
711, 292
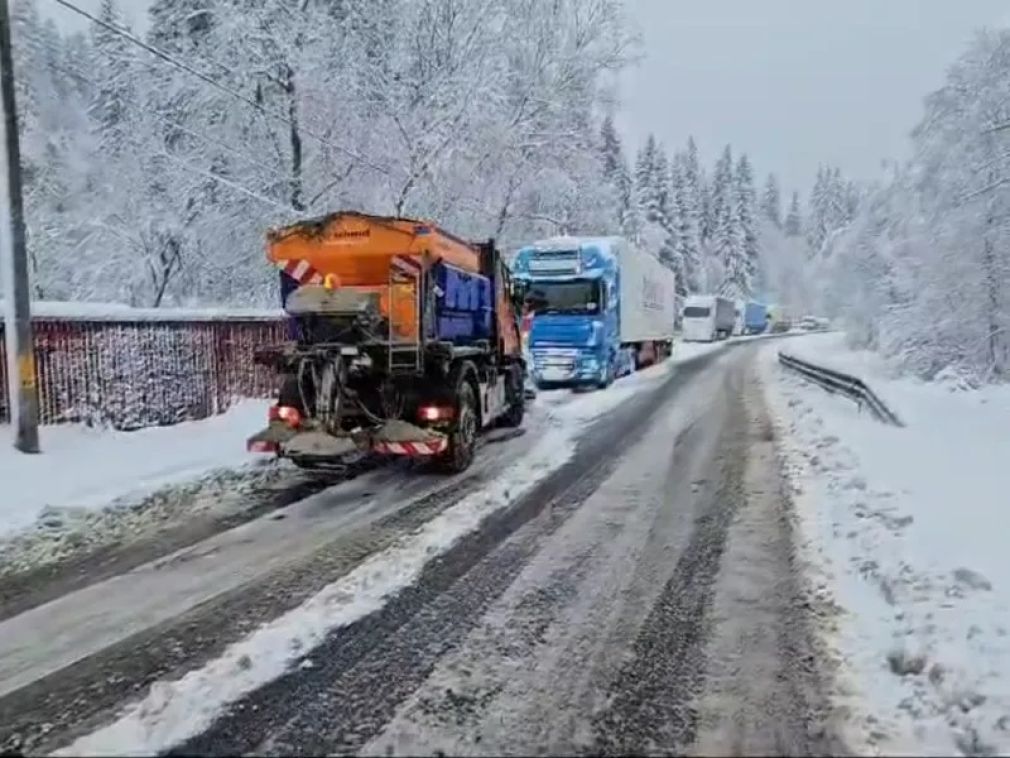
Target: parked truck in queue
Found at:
404, 341
755, 319
602, 309
708, 318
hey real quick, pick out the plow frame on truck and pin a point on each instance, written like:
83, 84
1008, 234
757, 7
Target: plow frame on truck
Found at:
390, 367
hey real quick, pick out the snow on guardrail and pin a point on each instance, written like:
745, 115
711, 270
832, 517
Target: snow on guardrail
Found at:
835, 381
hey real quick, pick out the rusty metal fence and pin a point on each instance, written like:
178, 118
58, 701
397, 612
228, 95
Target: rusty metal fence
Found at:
129, 374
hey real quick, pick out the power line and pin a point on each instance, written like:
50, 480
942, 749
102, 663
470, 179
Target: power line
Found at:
217, 85
209, 174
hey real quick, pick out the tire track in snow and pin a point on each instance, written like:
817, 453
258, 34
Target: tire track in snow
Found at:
363, 671
651, 706
525, 680
80, 697
273, 488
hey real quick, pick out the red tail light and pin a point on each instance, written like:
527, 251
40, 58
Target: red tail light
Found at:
286, 413
435, 413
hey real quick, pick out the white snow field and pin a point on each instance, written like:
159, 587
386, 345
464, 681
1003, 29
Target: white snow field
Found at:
83, 468
172, 711
906, 532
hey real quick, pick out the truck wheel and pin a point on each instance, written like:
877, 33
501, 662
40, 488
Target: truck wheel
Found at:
516, 396
608, 378
463, 437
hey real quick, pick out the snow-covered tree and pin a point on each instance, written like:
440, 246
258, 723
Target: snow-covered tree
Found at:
922, 272
646, 180
771, 201
149, 185
683, 233
653, 203
817, 230
793, 225
745, 265
727, 245
831, 207
851, 201
665, 176
615, 168
690, 204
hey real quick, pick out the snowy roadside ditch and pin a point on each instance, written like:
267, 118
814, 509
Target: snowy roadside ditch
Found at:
902, 532
172, 711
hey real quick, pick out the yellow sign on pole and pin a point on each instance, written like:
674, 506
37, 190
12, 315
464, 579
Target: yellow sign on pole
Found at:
26, 369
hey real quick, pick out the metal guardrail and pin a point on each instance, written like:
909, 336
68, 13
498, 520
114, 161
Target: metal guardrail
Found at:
845, 384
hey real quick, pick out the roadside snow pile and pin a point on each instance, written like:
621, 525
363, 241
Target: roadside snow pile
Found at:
905, 530
84, 470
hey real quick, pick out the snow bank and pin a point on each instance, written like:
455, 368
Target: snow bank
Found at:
86, 311
173, 711
87, 468
904, 529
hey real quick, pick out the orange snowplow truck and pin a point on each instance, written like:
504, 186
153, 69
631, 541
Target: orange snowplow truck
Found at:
403, 341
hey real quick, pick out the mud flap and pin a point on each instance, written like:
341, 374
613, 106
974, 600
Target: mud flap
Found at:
269, 440
318, 445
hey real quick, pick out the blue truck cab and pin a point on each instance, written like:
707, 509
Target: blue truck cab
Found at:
575, 338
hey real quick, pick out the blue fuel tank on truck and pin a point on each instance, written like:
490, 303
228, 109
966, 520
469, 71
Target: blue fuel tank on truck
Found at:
463, 304
600, 305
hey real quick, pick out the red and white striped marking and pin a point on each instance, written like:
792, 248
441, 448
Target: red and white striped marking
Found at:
407, 265
301, 272
432, 447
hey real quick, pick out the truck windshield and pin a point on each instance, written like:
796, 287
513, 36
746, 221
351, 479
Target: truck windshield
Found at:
567, 297
697, 311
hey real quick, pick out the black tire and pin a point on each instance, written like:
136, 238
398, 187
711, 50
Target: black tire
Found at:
516, 395
463, 437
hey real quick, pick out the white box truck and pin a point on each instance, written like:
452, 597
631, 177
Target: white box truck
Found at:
708, 317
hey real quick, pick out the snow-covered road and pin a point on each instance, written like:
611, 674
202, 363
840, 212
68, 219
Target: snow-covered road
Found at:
581, 588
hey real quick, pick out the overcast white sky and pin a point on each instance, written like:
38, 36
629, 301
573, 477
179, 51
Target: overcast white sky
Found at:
792, 82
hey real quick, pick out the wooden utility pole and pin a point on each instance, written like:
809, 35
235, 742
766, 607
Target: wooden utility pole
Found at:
22, 389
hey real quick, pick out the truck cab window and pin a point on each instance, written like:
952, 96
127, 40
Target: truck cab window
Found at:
569, 297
